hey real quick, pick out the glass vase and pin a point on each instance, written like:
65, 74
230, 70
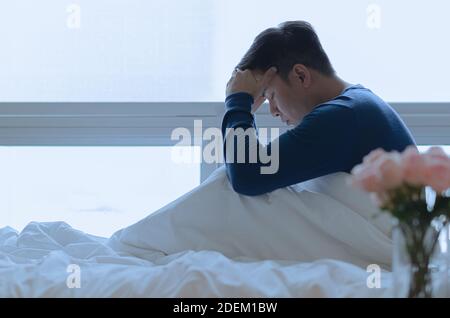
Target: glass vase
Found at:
420, 260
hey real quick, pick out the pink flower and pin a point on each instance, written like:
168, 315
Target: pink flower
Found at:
373, 156
390, 167
363, 175
413, 166
366, 178
378, 172
381, 171
436, 172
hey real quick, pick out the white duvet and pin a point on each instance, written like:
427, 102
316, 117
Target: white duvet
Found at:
314, 239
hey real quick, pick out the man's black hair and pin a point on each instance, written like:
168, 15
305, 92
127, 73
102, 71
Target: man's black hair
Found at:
292, 42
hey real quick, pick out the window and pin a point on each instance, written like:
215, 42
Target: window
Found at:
95, 189
171, 50
423, 148
102, 166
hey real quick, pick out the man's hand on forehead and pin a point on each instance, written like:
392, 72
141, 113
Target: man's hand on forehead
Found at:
252, 83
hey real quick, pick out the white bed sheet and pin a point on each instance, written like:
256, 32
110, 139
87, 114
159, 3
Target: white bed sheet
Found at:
34, 263
313, 239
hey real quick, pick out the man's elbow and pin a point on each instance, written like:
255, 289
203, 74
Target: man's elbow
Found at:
244, 187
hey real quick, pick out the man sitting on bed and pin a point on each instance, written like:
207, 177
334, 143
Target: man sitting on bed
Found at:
335, 123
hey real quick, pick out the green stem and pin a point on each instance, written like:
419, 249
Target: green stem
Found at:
419, 256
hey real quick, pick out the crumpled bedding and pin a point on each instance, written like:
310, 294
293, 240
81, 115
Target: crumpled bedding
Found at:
313, 239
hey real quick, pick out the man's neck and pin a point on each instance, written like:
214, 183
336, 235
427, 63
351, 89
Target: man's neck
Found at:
329, 88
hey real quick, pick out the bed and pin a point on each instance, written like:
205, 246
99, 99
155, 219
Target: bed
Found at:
314, 239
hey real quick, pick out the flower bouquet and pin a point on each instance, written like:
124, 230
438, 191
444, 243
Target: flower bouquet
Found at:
413, 188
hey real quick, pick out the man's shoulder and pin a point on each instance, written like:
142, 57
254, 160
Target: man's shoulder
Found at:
328, 117
358, 100
330, 110
347, 109
351, 97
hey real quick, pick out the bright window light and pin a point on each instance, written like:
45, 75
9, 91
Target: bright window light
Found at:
172, 50
94, 189
423, 148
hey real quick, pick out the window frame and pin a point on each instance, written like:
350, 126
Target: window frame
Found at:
151, 123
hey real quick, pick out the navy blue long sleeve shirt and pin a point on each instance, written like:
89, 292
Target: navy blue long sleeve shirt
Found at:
333, 137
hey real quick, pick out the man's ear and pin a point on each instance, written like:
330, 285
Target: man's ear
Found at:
303, 74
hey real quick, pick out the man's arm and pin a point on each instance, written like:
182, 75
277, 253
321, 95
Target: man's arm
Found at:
325, 142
